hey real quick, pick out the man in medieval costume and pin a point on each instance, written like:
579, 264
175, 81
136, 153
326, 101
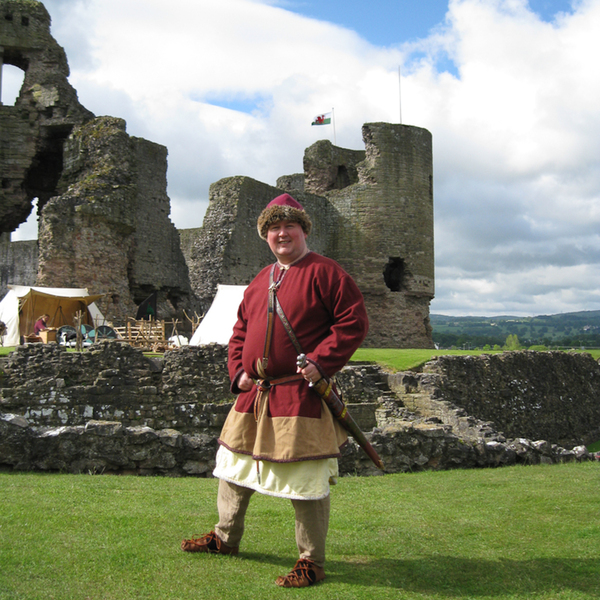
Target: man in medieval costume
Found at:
280, 438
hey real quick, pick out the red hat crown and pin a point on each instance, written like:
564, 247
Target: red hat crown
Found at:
285, 200
283, 208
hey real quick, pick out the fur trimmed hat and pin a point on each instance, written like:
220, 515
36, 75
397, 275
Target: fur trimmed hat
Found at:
282, 208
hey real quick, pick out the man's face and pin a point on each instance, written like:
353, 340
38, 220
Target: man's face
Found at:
287, 241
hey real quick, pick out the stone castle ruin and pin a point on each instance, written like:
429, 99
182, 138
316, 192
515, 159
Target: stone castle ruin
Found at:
372, 212
104, 211
104, 224
102, 202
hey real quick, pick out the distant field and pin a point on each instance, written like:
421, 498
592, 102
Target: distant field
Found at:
580, 329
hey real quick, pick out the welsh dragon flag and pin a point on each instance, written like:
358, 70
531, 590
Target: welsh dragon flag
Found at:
322, 119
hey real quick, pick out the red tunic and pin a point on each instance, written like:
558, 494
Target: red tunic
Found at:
327, 314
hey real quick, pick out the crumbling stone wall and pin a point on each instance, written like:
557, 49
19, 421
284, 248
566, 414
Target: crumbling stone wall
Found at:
187, 239
228, 249
104, 210
33, 130
385, 239
109, 447
187, 390
328, 167
113, 409
549, 395
109, 229
18, 262
372, 212
291, 183
104, 447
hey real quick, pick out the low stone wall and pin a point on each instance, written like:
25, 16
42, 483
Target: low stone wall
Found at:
109, 447
112, 409
104, 447
553, 396
187, 390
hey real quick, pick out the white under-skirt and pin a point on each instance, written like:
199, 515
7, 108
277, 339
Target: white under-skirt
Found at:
301, 480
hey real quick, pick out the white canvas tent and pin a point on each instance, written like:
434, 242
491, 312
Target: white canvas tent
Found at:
217, 325
23, 305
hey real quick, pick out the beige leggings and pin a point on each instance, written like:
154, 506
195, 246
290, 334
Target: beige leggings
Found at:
312, 520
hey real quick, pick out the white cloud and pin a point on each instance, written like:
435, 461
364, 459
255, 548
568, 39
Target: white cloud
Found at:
516, 137
515, 124
165, 71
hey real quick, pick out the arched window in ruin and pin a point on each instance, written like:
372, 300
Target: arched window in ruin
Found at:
393, 274
28, 230
11, 81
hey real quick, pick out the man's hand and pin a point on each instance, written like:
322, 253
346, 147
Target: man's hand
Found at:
310, 373
245, 382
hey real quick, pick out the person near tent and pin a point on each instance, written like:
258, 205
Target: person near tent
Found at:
280, 438
41, 324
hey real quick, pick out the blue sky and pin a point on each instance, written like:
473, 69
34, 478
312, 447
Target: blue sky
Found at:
381, 22
508, 88
392, 22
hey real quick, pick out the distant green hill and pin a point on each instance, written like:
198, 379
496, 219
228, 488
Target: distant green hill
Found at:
577, 329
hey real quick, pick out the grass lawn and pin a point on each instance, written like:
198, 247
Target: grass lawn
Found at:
405, 360
498, 534
393, 358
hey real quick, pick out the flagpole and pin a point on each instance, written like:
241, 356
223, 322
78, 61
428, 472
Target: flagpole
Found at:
400, 93
333, 121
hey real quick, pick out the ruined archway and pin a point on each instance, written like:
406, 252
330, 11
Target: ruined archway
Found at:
11, 81
34, 128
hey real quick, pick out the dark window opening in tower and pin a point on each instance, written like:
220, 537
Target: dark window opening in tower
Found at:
342, 179
393, 274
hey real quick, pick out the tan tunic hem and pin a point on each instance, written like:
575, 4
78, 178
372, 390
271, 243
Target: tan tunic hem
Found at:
283, 439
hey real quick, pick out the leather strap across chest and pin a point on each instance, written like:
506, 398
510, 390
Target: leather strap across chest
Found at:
274, 307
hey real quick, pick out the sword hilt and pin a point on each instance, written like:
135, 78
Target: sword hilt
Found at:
301, 361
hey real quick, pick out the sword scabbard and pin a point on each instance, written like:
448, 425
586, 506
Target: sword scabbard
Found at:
324, 388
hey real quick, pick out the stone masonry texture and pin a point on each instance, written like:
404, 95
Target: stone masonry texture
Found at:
102, 201
113, 409
18, 262
33, 130
109, 228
